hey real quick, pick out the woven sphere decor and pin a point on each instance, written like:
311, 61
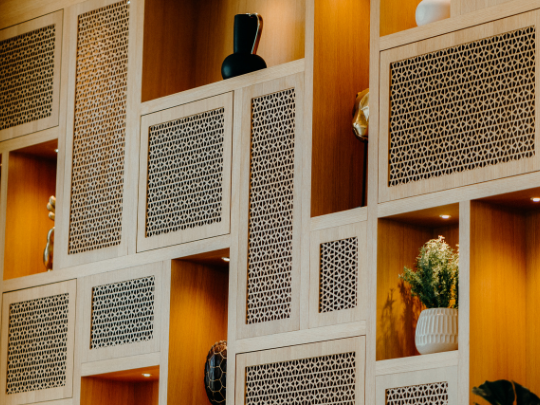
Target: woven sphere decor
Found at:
215, 373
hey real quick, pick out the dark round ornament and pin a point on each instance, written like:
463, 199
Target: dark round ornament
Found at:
215, 373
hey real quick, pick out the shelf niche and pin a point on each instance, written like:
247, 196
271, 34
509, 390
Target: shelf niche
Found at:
340, 71
198, 319
185, 42
504, 289
129, 387
31, 181
400, 238
397, 15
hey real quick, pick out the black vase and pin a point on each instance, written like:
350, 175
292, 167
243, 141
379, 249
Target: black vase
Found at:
247, 35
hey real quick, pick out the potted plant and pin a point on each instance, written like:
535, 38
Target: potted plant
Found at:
504, 392
435, 282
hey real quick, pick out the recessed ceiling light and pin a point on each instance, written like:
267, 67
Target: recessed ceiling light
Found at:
56, 150
446, 216
535, 199
147, 375
226, 259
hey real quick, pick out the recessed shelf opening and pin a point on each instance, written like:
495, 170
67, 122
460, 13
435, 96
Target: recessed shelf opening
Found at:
504, 289
185, 42
130, 387
397, 15
400, 238
198, 320
31, 175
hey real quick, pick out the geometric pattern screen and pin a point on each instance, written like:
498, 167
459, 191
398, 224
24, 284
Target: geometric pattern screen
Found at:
338, 287
426, 394
26, 77
463, 108
123, 313
271, 207
320, 380
37, 344
97, 181
185, 173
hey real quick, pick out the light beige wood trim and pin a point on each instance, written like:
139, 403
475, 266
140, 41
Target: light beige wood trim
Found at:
417, 363
462, 194
464, 302
69, 287
359, 313
301, 337
293, 323
153, 256
338, 219
467, 177
446, 374
129, 214
29, 140
85, 287
200, 232
225, 86
458, 23
455, 8
165, 326
356, 345
120, 364
14, 12
67, 401
52, 121
468, 6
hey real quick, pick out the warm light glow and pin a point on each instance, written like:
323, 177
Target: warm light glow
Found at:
56, 150
226, 259
446, 216
535, 199
147, 375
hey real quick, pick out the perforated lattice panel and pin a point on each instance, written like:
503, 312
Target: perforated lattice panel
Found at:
123, 313
37, 344
271, 207
463, 108
26, 77
338, 287
100, 128
318, 380
185, 173
425, 394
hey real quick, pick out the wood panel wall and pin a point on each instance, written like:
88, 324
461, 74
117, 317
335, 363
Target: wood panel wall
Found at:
99, 391
198, 319
31, 181
398, 15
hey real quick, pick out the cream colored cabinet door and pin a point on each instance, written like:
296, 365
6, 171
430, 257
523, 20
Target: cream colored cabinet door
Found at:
459, 109
270, 207
38, 327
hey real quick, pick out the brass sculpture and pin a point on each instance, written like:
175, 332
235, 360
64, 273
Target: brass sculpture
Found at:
361, 116
49, 248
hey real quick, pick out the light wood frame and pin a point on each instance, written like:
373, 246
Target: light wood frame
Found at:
464, 178
128, 235
356, 345
200, 232
467, 6
412, 378
293, 323
69, 287
52, 121
85, 289
359, 313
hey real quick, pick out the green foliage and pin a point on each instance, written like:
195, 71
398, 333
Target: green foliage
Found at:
436, 279
504, 392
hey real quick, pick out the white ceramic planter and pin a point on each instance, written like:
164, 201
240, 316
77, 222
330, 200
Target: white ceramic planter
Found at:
437, 330
429, 11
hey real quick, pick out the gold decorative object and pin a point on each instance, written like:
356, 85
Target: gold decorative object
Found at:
48, 252
361, 115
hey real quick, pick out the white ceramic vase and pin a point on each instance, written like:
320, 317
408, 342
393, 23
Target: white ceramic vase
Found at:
437, 330
429, 11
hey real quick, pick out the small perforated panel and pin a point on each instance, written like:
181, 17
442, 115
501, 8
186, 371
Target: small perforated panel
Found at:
425, 394
185, 173
37, 344
123, 313
463, 108
271, 207
319, 380
26, 77
97, 182
338, 276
